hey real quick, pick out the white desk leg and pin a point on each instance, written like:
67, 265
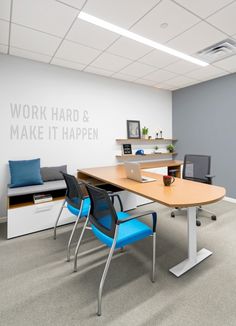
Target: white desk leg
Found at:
194, 257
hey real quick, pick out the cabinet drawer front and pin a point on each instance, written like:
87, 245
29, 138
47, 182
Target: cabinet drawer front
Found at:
34, 218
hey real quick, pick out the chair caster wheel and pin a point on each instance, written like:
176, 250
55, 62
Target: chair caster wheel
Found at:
213, 217
198, 223
172, 214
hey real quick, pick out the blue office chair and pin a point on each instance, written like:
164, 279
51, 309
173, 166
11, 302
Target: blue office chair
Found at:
78, 203
115, 230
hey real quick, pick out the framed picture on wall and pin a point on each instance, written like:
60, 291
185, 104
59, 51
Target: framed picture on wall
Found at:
127, 149
133, 129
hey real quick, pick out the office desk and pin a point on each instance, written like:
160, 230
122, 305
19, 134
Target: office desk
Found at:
182, 193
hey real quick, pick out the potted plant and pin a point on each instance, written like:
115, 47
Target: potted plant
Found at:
156, 149
145, 132
170, 148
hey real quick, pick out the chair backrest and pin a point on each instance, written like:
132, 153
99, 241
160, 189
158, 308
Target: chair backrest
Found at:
196, 167
102, 212
75, 192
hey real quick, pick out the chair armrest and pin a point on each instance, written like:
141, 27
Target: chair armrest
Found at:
210, 177
112, 195
141, 214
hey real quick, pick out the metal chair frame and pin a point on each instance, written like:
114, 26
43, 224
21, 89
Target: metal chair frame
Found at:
112, 249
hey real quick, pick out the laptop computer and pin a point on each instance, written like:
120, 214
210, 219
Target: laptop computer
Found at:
133, 172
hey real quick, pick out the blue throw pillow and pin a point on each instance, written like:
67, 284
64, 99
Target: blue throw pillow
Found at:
25, 173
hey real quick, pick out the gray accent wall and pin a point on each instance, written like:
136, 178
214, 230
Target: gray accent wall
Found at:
204, 122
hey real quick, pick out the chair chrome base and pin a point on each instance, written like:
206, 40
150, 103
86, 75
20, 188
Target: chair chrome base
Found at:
108, 262
57, 220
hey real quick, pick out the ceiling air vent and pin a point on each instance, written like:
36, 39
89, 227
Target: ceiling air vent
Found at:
218, 51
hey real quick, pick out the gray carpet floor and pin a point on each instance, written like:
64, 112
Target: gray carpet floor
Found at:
38, 286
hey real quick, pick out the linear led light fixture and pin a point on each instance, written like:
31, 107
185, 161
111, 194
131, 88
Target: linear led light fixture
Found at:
133, 36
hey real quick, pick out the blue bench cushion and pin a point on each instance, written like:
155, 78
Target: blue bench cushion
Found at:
129, 232
76, 211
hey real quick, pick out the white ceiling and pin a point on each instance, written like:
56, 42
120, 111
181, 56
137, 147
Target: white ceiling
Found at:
49, 31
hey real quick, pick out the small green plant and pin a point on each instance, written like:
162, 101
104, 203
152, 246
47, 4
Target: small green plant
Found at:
156, 149
144, 130
170, 148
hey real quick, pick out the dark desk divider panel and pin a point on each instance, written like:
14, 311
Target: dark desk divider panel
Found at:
204, 121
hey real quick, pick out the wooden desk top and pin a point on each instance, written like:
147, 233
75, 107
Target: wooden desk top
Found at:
182, 193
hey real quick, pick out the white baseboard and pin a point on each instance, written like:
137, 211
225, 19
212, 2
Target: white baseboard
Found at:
230, 199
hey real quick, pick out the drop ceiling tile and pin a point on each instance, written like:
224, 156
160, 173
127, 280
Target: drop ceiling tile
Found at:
67, 64
181, 67
91, 35
48, 16
181, 81
145, 82
5, 7
111, 62
98, 71
129, 49
138, 69
28, 39
225, 19
158, 59
71, 51
3, 48
29, 55
178, 20
203, 8
160, 75
124, 77
119, 12
228, 64
205, 73
197, 38
73, 3
4, 32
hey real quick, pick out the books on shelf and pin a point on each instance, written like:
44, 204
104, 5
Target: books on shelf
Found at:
42, 198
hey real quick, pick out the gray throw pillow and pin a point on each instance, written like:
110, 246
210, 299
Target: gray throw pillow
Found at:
53, 173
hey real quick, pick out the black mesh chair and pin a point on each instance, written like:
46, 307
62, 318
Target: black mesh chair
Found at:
78, 203
197, 168
115, 230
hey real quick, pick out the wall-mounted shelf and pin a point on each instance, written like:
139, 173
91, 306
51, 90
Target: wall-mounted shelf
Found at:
144, 141
131, 156
148, 147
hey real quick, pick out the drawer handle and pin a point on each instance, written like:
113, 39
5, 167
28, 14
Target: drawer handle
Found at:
43, 209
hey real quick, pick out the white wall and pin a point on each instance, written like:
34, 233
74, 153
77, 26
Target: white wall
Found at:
109, 103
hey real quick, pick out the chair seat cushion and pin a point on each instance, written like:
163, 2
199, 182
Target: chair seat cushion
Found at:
129, 232
76, 211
